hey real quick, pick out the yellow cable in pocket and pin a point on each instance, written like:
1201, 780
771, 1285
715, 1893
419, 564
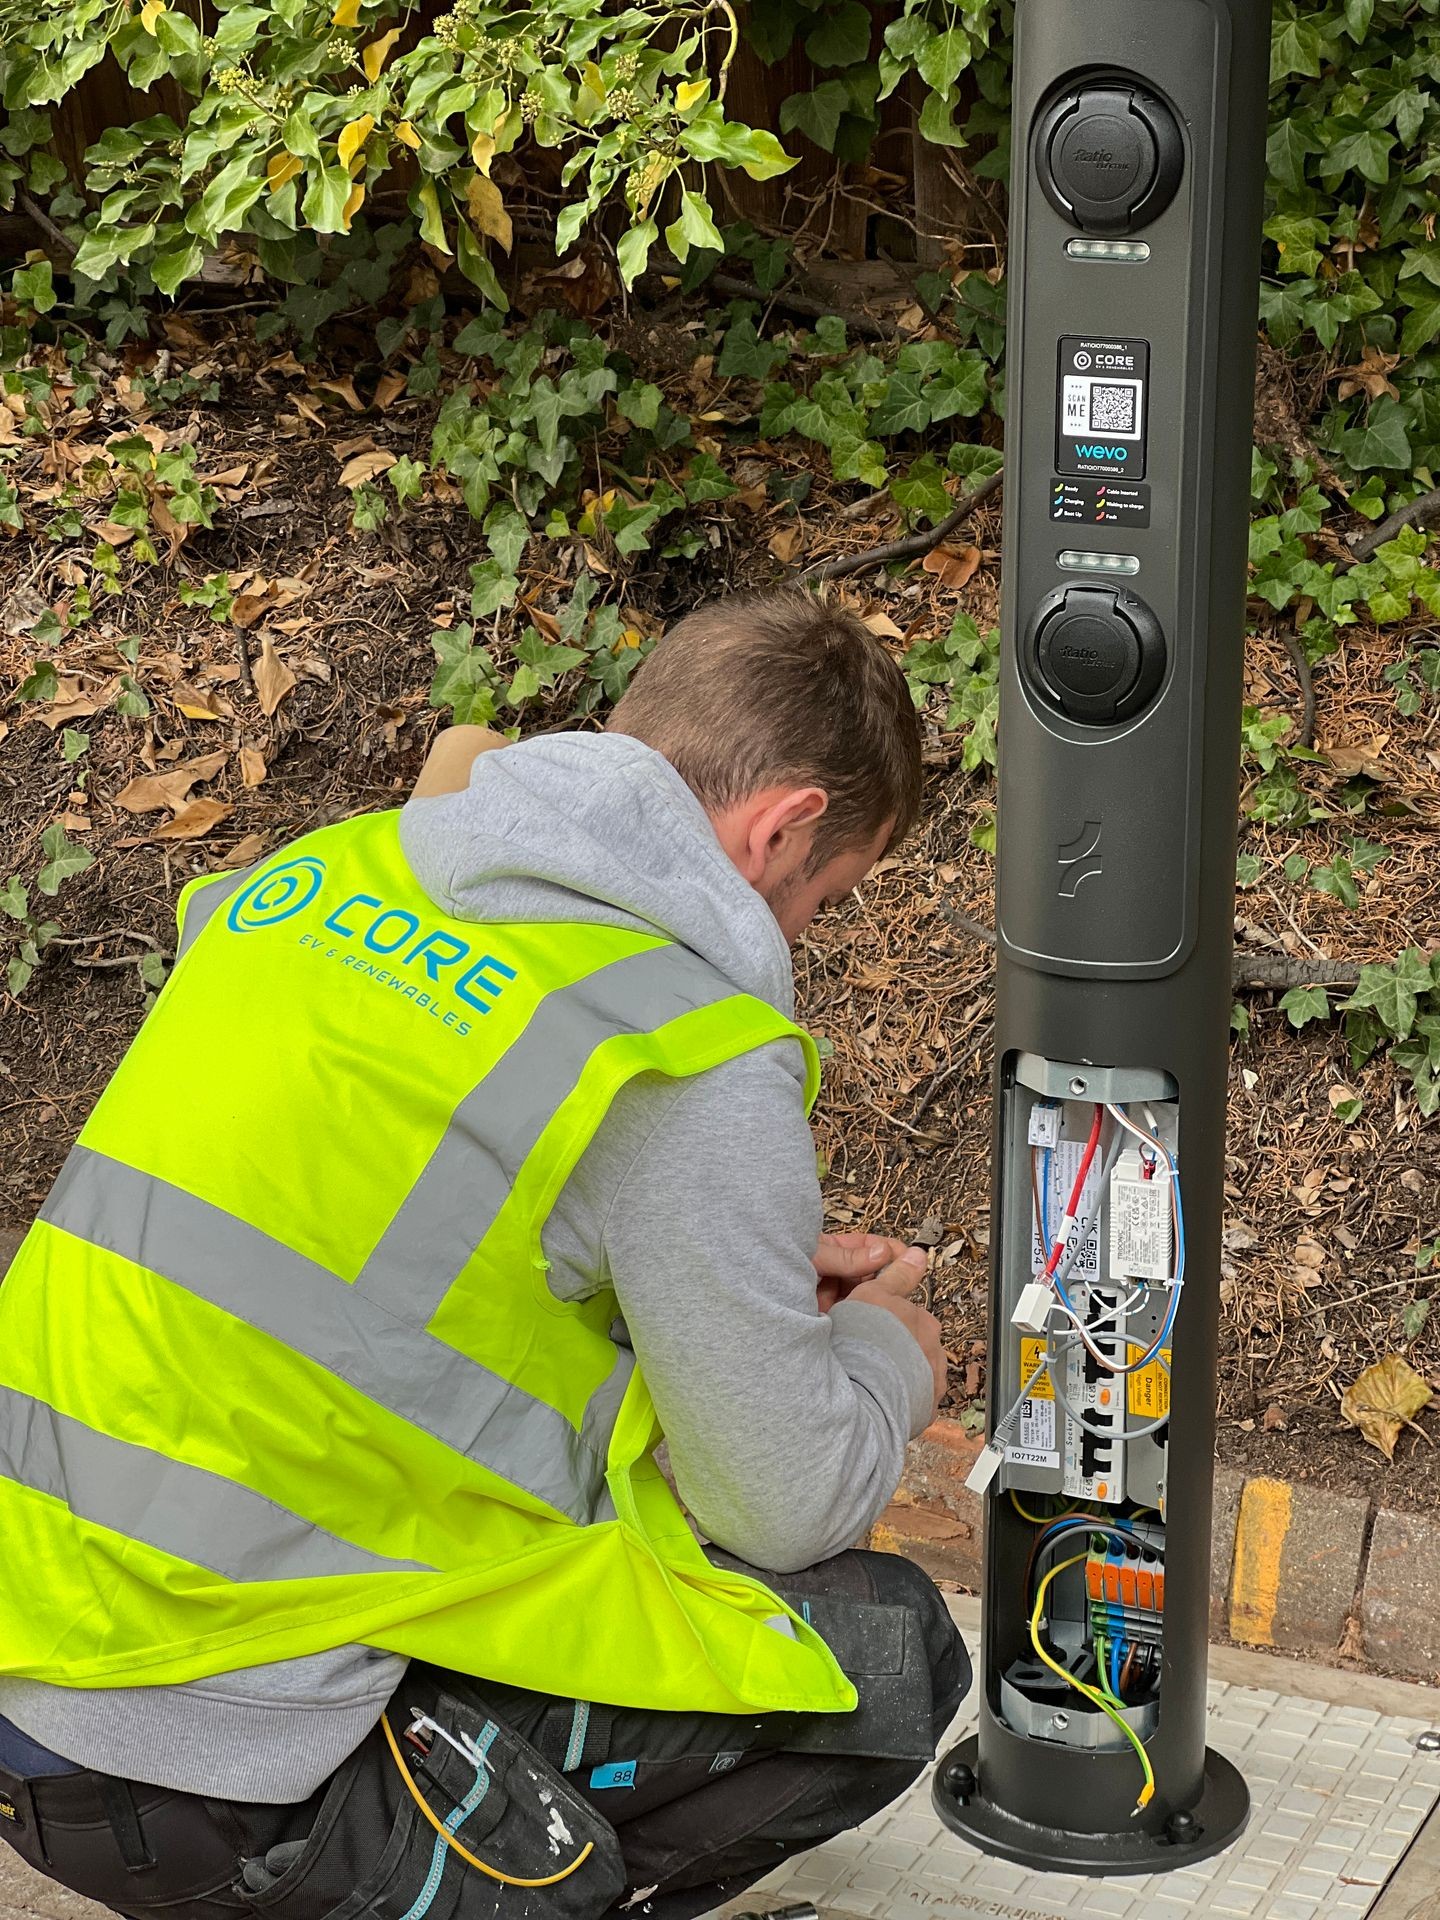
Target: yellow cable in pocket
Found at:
1147, 1792
493, 1873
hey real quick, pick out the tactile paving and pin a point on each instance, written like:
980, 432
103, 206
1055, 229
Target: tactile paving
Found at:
1337, 1795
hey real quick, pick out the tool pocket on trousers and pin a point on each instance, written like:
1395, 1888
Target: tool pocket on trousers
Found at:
881, 1650
538, 1850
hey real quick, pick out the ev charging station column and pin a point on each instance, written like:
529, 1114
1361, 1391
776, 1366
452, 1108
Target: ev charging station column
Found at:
1139, 136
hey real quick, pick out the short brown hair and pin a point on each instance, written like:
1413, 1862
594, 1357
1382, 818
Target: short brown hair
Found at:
773, 689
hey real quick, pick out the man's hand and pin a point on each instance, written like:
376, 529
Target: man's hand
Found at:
845, 1260
891, 1289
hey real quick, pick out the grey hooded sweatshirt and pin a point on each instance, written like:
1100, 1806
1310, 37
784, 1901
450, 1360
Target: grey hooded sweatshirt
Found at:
697, 1201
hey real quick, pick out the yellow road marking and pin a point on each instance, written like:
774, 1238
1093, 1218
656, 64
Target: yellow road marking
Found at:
1260, 1535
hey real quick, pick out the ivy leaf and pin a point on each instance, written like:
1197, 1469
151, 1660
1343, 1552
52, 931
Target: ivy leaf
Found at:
706, 479
465, 678
1391, 992
1248, 869
175, 265
41, 683
35, 286
695, 227
1286, 150
817, 113
507, 531
904, 409
1297, 46
63, 858
14, 900
944, 57
324, 203
1382, 441
640, 403
745, 356
634, 250
1366, 149
1422, 322
710, 136
921, 489
842, 38
1301, 1005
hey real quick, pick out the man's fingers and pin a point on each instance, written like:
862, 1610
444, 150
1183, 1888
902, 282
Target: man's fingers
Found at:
853, 1256
905, 1272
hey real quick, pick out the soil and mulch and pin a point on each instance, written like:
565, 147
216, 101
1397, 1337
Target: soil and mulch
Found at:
312, 703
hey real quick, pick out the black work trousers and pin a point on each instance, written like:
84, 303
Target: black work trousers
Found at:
685, 1809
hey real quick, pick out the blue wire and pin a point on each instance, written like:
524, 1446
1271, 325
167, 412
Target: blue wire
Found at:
1115, 1667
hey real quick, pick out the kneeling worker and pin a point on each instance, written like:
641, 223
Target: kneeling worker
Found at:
463, 1157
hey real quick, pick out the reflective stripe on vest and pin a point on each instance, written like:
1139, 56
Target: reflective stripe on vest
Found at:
267, 1285
197, 1516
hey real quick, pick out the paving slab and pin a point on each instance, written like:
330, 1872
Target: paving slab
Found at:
1399, 1614
1339, 1794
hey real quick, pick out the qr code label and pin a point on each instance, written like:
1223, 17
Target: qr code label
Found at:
1114, 406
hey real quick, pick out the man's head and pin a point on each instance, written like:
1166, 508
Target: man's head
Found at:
795, 730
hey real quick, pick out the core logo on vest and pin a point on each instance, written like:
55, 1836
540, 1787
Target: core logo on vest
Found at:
273, 896
386, 945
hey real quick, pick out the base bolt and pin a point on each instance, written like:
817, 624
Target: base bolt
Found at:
1182, 1829
958, 1781
1427, 1743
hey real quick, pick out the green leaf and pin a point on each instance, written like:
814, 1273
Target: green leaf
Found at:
491, 588
35, 286
1248, 869
1391, 992
170, 268
1422, 322
1296, 46
1366, 149
73, 742
63, 859
465, 678
17, 976
706, 479
842, 38
1413, 1318
634, 250
153, 969
640, 403
1304, 1004
921, 490
41, 683
904, 409
324, 203
744, 356
1240, 1021
14, 900
816, 114
407, 477
944, 58
695, 227
1337, 880
709, 136
507, 531
1382, 441
476, 266
426, 202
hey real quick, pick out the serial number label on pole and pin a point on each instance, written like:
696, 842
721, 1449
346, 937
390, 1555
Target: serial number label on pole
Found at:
1100, 407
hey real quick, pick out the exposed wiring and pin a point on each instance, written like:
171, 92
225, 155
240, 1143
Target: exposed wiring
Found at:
1115, 1667
1045, 1159
1122, 1436
491, 1873
1047, 1520
1072, 1205
1097, 1699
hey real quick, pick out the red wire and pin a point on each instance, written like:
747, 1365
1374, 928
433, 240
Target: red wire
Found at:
1072, 1205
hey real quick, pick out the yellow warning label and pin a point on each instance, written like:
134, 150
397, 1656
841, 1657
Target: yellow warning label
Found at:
1032, 1352
1149, 1388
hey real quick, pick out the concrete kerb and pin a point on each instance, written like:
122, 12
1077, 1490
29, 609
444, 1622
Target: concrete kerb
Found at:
1295, 1568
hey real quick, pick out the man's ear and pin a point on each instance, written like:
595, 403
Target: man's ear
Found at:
448, 763
781, 832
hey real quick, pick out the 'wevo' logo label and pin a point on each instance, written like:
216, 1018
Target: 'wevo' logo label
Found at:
1120, 454
409, 954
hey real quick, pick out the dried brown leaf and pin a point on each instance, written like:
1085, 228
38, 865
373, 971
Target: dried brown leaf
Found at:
154, 790
388, 389
252, 766
953, 567
1384, 1399
1365, 757
195, 822
365, 466
273, 679
247, 850
785, 542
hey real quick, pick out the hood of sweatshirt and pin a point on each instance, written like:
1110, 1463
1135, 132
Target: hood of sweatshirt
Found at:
595, 827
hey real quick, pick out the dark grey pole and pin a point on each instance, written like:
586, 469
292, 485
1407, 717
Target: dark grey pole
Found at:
1139, 135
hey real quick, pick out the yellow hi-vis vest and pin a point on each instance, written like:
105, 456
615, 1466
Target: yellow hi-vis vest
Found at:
279, 1366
